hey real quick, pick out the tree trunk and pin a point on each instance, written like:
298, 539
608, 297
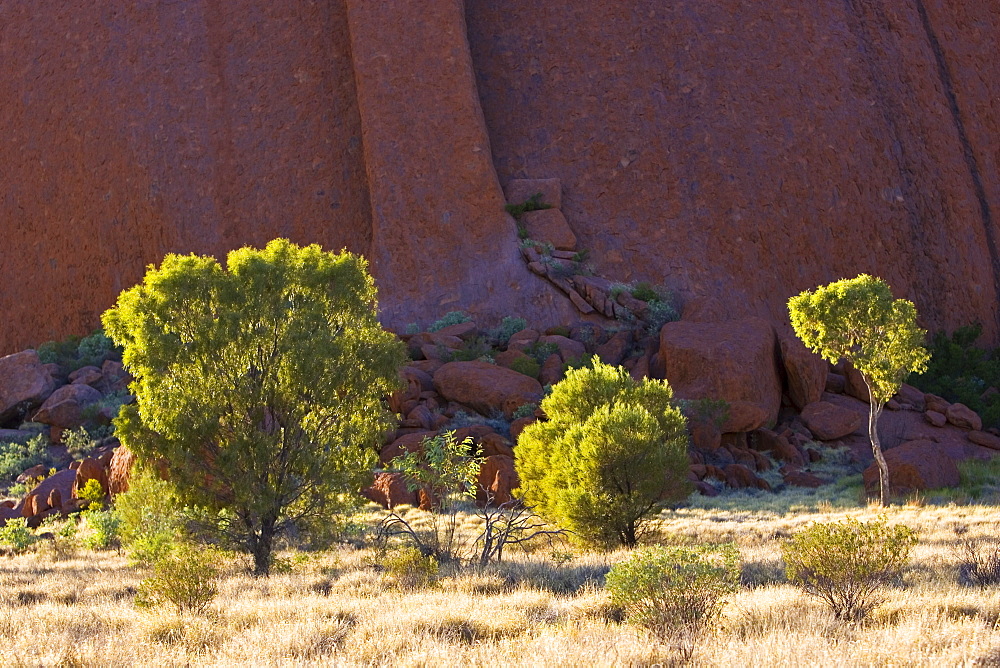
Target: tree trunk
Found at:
261, 545
874, 411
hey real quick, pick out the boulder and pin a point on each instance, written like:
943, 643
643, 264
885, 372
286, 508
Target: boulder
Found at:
64, 408
405, 443
485, 387
985, 439
24, 384
552, 370
614, 350
740, 477
497, 478
732, 360
495, 444
61, 480
806, 372
569, 349
935, 418
119, 470
914, 466
828, 422
518, 425
937, 404
964, 417
835, 383
705, 436
549, 225
909, 395
523, 339
86, 375
389, 490
798, 478
114, 377
465, 331
89, 469
706, 489
779, 447
854, 385
37, 471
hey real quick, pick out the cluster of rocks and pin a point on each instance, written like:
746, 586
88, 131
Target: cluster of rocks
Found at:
46, 394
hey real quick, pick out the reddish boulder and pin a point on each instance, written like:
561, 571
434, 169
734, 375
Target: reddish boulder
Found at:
24, 384
495, 444
914, 466
497, 479
706, 489
119, 470
936, 404
828, 422
779, 447
733, 361
64, 408
114, 377
568, 348
705, 436
466, 331
935, 418
89, 469
390, 490
37, 471
805, 371
911, 396
855, 385
964, 417
798, 478
985, 439
485, 387
740, 477
552, 370
523, 339
518, 425
614, 350
86, 375
61, 480
835, 383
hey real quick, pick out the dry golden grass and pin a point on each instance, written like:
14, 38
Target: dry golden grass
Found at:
335, 609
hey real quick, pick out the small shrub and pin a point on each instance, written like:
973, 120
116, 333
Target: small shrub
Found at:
541, 351
16, 457
410, 568
17, 536
507, 328
150, 517
658, 314
412, 328
847, 563
101, 529
979, 564
93, 494
93, 350
526, 365
185, 578
675, 592
525, 410
79, 443
449, 319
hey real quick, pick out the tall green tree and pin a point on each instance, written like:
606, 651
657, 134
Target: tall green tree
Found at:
858, 320
611, 451
260, 385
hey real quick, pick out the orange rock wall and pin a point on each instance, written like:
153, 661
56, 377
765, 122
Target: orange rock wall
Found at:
752, 150
740, 150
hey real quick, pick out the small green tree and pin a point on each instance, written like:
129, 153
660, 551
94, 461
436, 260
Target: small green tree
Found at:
858, 320
260, 385
611, 451
847, 563
676, 591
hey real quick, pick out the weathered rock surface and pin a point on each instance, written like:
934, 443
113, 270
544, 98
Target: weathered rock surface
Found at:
64, 408
804, 370
732, 360
389, 127
389, 489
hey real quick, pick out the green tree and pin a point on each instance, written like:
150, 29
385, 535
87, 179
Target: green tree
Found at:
259, 385
610, 452
858, 320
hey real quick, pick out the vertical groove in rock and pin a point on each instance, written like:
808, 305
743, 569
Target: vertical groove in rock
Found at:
970, 156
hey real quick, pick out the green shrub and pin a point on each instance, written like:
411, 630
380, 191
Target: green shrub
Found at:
658, 314
541, 351
17, 457
16, 535
611, 452
93, 494
675, 592
186, 578
79, 442
150, 517
101, 529
449, 319
526, 365
95, 349
410, 567
847, 563
507, 328
525, 410
962, 372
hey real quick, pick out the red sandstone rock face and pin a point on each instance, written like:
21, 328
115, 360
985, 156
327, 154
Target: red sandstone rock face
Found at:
736, 151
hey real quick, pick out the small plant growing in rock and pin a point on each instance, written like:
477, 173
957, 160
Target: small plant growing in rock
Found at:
533, 203
847, 564
525, 410
507, 328
526, 365
449, 319
186, 578
675, 592
17, 536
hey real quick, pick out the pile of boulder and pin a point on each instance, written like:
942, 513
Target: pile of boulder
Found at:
47, 395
